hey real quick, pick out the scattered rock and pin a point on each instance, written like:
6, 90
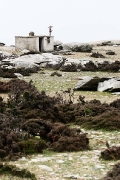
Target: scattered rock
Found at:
58, 45
110, 53
105, 43
73, 176
78, 47
18, 75
56, 74
97, 55
46, 168
99, 167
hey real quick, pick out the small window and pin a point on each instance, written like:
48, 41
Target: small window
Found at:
48, 39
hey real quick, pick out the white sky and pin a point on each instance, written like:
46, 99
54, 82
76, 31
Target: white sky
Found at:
72, 20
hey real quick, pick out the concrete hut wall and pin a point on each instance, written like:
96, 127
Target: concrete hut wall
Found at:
29, 43
48, 43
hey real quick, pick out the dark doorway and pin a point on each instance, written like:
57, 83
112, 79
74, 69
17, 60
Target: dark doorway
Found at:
40, 44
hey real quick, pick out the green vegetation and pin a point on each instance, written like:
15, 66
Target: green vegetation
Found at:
15, 171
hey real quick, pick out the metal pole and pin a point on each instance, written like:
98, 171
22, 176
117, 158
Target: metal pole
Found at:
50, 30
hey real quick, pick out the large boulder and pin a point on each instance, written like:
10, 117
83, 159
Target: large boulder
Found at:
58, 45
35, 60
78, 47
6, 55
2, 44
82, 48
105, 43
89, 83
110, 85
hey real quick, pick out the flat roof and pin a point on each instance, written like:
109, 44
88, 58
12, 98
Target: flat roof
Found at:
32, 36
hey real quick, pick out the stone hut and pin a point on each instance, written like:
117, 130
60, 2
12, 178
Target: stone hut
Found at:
34, 43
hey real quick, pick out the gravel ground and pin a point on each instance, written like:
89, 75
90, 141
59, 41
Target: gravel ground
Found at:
85, 165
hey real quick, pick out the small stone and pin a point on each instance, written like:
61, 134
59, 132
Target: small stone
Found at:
43, 159
99, 167
74, 176
70, 158
44, 167
60, 161
23, 159
84, 157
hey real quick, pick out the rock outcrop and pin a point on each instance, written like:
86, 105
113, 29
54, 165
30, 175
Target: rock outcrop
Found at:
78, 47
111, 85
89, 83
2, 44
108, 84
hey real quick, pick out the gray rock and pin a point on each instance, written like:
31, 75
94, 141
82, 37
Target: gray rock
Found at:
2, 44
115, 93
35, 60
73, 176
18, 75
46, 168
58, 45
69, 46
63, 52
57, 42
110, 85
83, 62
5, 54
97, 55
99, 167
110, 53
89, 83
25, 51
78, 47
105, 43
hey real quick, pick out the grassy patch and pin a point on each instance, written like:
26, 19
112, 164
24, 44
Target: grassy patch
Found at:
15, 171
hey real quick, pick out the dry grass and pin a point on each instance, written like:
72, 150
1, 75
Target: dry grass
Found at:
100, 49
53, 84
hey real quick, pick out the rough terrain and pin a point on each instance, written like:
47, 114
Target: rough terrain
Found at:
82, 165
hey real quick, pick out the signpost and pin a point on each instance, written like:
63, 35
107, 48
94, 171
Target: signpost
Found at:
50, 30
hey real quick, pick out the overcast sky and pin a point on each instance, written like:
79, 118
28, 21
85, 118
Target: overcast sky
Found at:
72, 20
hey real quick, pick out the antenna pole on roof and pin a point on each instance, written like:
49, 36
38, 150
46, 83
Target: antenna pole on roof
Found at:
50, 30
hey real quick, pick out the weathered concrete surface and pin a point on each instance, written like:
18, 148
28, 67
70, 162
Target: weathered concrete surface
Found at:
34, 43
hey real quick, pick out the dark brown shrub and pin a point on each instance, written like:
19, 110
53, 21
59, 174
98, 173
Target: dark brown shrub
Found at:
114, 174
3, 153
